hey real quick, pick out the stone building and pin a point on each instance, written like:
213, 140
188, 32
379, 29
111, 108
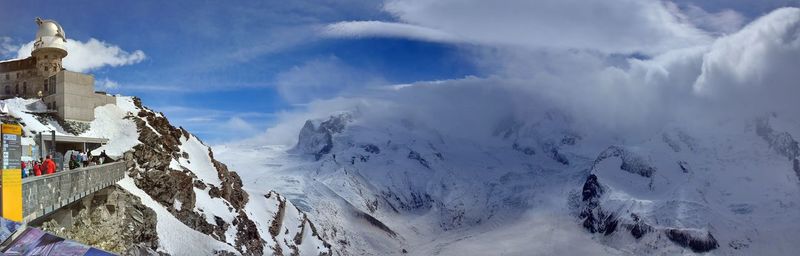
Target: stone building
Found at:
69, 94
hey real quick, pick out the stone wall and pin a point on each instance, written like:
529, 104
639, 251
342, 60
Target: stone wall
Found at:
20, 78
45, 194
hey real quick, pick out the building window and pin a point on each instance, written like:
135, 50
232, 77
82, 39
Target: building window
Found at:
8, 77
24, 88
17, 75
8, 89
46, 68
45, 57
16, 89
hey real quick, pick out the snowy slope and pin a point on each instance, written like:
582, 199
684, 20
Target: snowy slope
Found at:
199, 204
430, 193
690, 151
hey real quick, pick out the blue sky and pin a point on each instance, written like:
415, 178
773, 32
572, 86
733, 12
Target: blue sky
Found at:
209, 63
224, 69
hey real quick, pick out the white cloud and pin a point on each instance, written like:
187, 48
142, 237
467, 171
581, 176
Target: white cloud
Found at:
322, 78
387, 29
107, 84
7, 46
759, 64
723, 22
239, 125
90, 55
749, 72
217, 124
623, 26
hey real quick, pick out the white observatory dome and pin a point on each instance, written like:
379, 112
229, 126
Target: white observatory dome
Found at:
50, 36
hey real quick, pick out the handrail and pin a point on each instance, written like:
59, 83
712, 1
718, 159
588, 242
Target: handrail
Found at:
86, 168
45, 194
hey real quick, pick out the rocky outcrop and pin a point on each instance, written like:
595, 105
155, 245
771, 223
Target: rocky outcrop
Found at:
631, 162
594, 218
160, 146
317, 139
276, 229
638, 229
111, 219
782, 142
697, 241
414, 155
523, 149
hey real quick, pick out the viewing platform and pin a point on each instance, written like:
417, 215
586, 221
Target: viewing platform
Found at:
42, 195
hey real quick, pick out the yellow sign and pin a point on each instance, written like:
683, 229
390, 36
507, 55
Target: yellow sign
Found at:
12, 194
12, 129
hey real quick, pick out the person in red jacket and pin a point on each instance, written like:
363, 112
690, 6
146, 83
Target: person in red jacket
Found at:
24, 169
51, 166
37, 168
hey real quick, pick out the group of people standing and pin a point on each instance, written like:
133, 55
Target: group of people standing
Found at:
72, 160
38, 168
78, 159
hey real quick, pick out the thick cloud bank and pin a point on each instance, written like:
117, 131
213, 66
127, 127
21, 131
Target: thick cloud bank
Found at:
759, 64
90, 55
749, 72
647, 26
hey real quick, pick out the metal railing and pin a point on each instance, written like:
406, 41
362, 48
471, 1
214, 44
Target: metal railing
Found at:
42, 195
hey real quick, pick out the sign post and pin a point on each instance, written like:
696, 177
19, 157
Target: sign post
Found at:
12, 172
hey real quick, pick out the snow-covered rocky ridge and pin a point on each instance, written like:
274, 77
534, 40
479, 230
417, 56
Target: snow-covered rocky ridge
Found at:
389, 188
194, 203
688, 151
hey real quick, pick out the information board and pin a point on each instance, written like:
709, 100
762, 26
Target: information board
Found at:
12, 173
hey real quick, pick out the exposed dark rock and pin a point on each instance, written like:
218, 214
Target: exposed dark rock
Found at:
413, 201
524, 149
317, 140
639, 228
671, 143
595, 219
75, 127
598, 221
630, 162
71, 127
781, 142
696, 242
738, 244
276, 227
416, 156
561, 158
231, 184
570, 139
591, 188
160, 145
111, 219
375, 222
247, 234
277, 220
370, 148
139, 250
684, 166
